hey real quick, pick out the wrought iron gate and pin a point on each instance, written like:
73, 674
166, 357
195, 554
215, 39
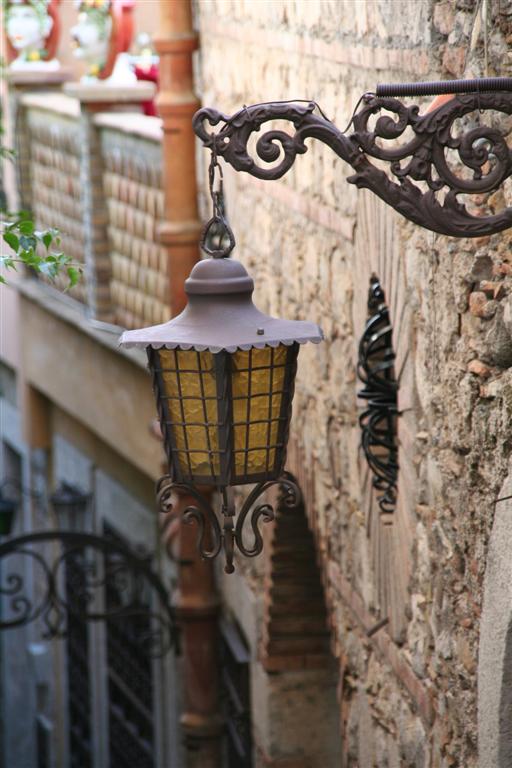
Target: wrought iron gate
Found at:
77, 663
130, 683
96, 578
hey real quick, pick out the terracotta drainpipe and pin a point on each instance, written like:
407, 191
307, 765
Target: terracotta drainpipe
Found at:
197, 602
177, 102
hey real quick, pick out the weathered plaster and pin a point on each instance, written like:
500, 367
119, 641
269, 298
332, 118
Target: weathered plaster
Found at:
495, 649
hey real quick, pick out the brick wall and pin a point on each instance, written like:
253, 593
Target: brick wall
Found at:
408, 692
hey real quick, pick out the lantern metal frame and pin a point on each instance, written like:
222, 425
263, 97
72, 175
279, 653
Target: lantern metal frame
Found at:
225, 422
421, 159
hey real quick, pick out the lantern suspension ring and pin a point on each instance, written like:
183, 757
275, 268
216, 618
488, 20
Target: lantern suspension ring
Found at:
223, 375
419, 172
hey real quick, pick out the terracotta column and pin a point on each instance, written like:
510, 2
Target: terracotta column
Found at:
197, 602
197, 610
197, 607
180, 231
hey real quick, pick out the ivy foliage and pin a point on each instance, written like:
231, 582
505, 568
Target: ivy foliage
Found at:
37, 249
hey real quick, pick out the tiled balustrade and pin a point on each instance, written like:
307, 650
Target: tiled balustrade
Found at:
126, 275
51, 143
132, 185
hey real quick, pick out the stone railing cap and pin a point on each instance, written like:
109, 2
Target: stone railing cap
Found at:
52, 102
132, 123
95, 93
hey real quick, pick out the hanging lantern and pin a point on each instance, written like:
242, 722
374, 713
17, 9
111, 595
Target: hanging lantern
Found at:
70, 506
224, 377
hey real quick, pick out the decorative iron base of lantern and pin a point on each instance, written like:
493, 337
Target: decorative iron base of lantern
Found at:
225, 533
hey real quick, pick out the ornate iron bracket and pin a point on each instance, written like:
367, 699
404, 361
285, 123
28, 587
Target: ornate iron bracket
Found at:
212, 536
420, 173
375, 369
114, 564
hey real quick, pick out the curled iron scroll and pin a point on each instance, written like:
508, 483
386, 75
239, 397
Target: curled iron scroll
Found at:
211, 536
117, 565
419, 171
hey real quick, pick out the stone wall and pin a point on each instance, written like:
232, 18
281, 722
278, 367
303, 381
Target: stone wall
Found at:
408, 691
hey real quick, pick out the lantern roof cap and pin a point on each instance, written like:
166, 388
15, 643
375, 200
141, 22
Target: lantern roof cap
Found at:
220, 316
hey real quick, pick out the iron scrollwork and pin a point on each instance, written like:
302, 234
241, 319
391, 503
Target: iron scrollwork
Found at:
103, 561
375, 370
212, 537
482, 151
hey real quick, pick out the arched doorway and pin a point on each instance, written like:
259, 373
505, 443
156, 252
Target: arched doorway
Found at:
299, 722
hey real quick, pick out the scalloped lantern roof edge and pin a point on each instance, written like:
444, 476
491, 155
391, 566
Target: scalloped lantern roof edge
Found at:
220, 316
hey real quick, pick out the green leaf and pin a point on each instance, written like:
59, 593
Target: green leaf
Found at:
31, 259
12, 240
26, 227
47, 239
3, 281
28, 242
73, 275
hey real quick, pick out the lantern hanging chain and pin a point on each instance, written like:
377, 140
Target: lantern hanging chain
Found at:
217, 195
217, 239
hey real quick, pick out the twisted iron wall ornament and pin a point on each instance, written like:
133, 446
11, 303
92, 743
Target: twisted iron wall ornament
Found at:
131, 574
375, 369
212, 536
482, 150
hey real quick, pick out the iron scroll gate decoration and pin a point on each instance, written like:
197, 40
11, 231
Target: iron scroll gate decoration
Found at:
421, 159
130, 573
376, 370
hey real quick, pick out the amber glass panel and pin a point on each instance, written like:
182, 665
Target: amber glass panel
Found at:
189, 384
258, 380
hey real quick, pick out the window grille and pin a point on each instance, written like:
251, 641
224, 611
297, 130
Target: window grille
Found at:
235, 697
